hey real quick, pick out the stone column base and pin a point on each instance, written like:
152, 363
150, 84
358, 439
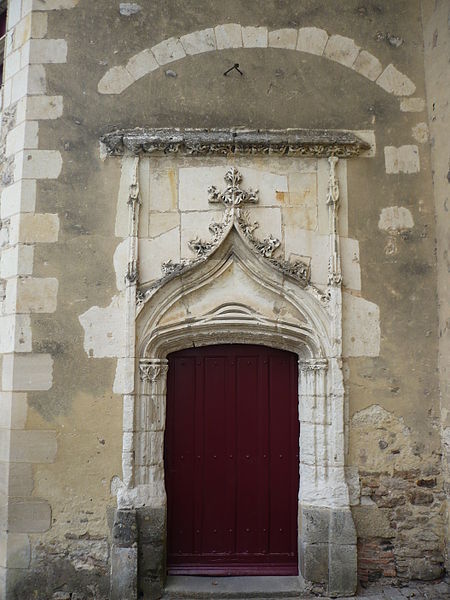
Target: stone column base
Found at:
124, 561
327, 548
152, 551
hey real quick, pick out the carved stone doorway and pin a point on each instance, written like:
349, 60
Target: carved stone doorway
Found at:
238, 288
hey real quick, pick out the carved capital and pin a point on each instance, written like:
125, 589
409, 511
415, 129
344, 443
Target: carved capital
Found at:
314, 364
151, 369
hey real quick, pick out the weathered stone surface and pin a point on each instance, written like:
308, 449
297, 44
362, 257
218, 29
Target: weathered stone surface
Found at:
342, 573
395, 82
404, 159
254, 37
141, 64
341, 49
312, 40
368, 65
115, 81
283, 38
314, 562
199, 41
412, 105
168, 51
308, 142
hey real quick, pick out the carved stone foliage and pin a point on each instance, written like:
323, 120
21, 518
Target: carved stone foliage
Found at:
201, 142
151, 369
233, 198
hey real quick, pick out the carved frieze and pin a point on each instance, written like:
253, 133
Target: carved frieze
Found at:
202, 142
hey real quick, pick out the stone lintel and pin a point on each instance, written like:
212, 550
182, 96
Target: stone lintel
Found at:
317, 143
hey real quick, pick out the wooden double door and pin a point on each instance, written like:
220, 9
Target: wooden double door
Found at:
231, 461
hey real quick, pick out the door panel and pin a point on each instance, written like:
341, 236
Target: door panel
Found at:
231, 461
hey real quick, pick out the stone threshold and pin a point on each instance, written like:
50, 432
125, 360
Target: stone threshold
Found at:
233, 587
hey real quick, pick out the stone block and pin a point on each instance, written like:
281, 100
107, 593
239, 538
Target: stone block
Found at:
320, 485
17, 260
141, 64
37, 295
12, 64
15, 550
342, 527
343, 570
254, 37
152, 525
314, 524
342, 50
168, 51
314, 562
162, 222
27, 372
368, 65
16, 333
395, 82
124, 573
151, 589
20, 197
155, 252
283, 38
361, 326
54, 4
371, 521
23, 136
30, 228
412, 105
395, 218
37, 164
47, 51
152, 560
228, 36
20, 480
115, 81
420, 133
28, 516
124, 378
29, 27
38, 26
6, 99
404, 159
199, 41
312, 40
19, 85
124, 529
314, 443
33, 446
43, 107
13, 412
37, 80
14, 14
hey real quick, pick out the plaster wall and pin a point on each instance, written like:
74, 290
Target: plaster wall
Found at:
63, 225
436, 20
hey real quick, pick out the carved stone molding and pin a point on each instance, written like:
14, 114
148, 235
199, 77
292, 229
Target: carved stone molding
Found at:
318, 143
150, 369
314, 364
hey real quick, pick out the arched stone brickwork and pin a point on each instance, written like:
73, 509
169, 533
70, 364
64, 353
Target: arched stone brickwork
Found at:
310, 40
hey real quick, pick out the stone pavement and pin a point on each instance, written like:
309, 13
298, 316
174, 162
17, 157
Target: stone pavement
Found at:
269, 588
416, 590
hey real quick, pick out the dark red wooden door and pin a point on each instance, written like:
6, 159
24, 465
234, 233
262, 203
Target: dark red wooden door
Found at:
231, 461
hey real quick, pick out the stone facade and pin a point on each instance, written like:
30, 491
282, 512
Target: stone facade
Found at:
150, 202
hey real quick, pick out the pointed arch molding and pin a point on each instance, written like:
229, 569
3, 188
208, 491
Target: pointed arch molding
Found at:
311, 40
